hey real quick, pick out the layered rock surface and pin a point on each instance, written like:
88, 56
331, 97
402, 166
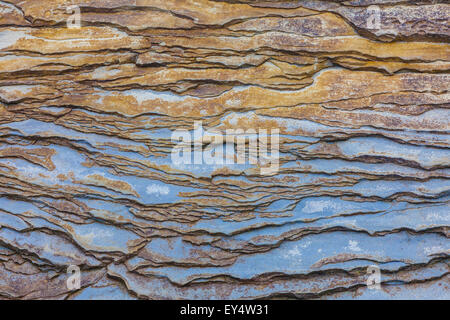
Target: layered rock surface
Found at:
87, 178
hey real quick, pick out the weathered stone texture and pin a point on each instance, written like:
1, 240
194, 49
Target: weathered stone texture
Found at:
86, 176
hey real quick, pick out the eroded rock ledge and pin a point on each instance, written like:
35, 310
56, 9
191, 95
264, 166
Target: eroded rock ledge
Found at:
86, 176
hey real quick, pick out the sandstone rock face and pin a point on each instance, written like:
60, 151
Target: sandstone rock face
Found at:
357, 92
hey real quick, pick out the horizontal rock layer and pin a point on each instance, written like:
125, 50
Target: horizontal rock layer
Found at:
87, 177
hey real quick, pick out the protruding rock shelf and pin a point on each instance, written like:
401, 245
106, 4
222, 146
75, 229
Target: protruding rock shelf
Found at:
359, 91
